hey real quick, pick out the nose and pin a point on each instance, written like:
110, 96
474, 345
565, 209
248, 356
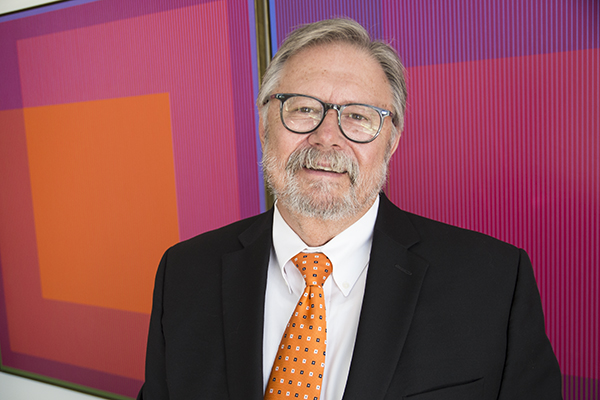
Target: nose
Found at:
328, 133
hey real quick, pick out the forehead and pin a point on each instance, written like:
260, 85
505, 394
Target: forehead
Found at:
337, 73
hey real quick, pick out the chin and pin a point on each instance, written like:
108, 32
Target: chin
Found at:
323, 202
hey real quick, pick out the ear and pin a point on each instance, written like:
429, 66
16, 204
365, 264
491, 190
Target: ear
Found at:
261, 130
395, 143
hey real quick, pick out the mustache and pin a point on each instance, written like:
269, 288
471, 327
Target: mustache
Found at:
313, 158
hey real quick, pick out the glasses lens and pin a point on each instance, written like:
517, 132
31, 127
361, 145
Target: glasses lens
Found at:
360, 123
301, 114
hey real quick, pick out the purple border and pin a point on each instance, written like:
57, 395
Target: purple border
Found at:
94, 379
440, 31
578, 388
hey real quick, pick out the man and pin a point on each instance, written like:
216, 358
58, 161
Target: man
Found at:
414, 309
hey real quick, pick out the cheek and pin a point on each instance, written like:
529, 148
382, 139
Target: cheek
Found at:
277, 151
285, 143
365, 155
370, 160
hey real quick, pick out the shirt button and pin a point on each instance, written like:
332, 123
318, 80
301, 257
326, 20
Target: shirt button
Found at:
345, 285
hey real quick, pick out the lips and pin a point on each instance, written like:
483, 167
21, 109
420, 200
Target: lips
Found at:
325, 169
317, 160
326, 162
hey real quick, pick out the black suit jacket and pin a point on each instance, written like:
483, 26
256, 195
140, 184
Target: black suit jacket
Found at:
447, 314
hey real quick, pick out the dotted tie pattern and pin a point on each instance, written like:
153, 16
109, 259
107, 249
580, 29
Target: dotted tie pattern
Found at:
298, 367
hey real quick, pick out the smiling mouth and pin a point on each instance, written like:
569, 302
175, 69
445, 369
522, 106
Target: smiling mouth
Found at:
312, 159
326, 169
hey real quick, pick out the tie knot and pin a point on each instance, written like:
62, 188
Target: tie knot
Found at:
314, 267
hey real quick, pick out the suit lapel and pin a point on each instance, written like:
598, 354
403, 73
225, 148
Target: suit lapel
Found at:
393, 283
244, 285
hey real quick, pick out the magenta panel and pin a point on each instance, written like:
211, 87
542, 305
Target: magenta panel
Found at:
502, 137
521, 165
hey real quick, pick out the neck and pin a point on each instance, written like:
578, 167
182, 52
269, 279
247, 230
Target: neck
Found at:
315, 231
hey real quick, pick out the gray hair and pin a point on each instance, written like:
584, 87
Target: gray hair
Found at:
335, 31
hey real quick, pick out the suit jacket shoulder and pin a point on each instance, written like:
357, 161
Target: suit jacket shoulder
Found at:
231, 237
435, 237
447, 310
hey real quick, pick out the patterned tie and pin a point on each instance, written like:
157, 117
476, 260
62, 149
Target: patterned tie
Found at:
298, 367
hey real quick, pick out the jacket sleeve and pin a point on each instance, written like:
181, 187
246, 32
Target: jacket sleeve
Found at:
531, 370
155, 385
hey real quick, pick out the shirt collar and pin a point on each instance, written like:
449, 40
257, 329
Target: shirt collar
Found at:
349, 251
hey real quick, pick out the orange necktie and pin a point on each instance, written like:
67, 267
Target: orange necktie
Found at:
298, 367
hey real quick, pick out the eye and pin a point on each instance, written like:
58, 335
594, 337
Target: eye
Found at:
306, 110
357, 117
298, 107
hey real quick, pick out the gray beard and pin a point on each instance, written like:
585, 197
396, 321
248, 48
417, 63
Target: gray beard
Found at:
317, 200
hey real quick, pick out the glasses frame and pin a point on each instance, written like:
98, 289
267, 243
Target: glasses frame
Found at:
283, 97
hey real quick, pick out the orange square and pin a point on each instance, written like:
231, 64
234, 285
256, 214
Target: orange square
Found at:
104, 198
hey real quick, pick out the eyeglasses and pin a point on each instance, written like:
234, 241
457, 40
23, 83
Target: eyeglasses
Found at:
360, 123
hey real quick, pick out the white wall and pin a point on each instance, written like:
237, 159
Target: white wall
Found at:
7, 6
14, 387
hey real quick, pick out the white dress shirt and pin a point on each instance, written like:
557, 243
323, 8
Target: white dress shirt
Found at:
349, 254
